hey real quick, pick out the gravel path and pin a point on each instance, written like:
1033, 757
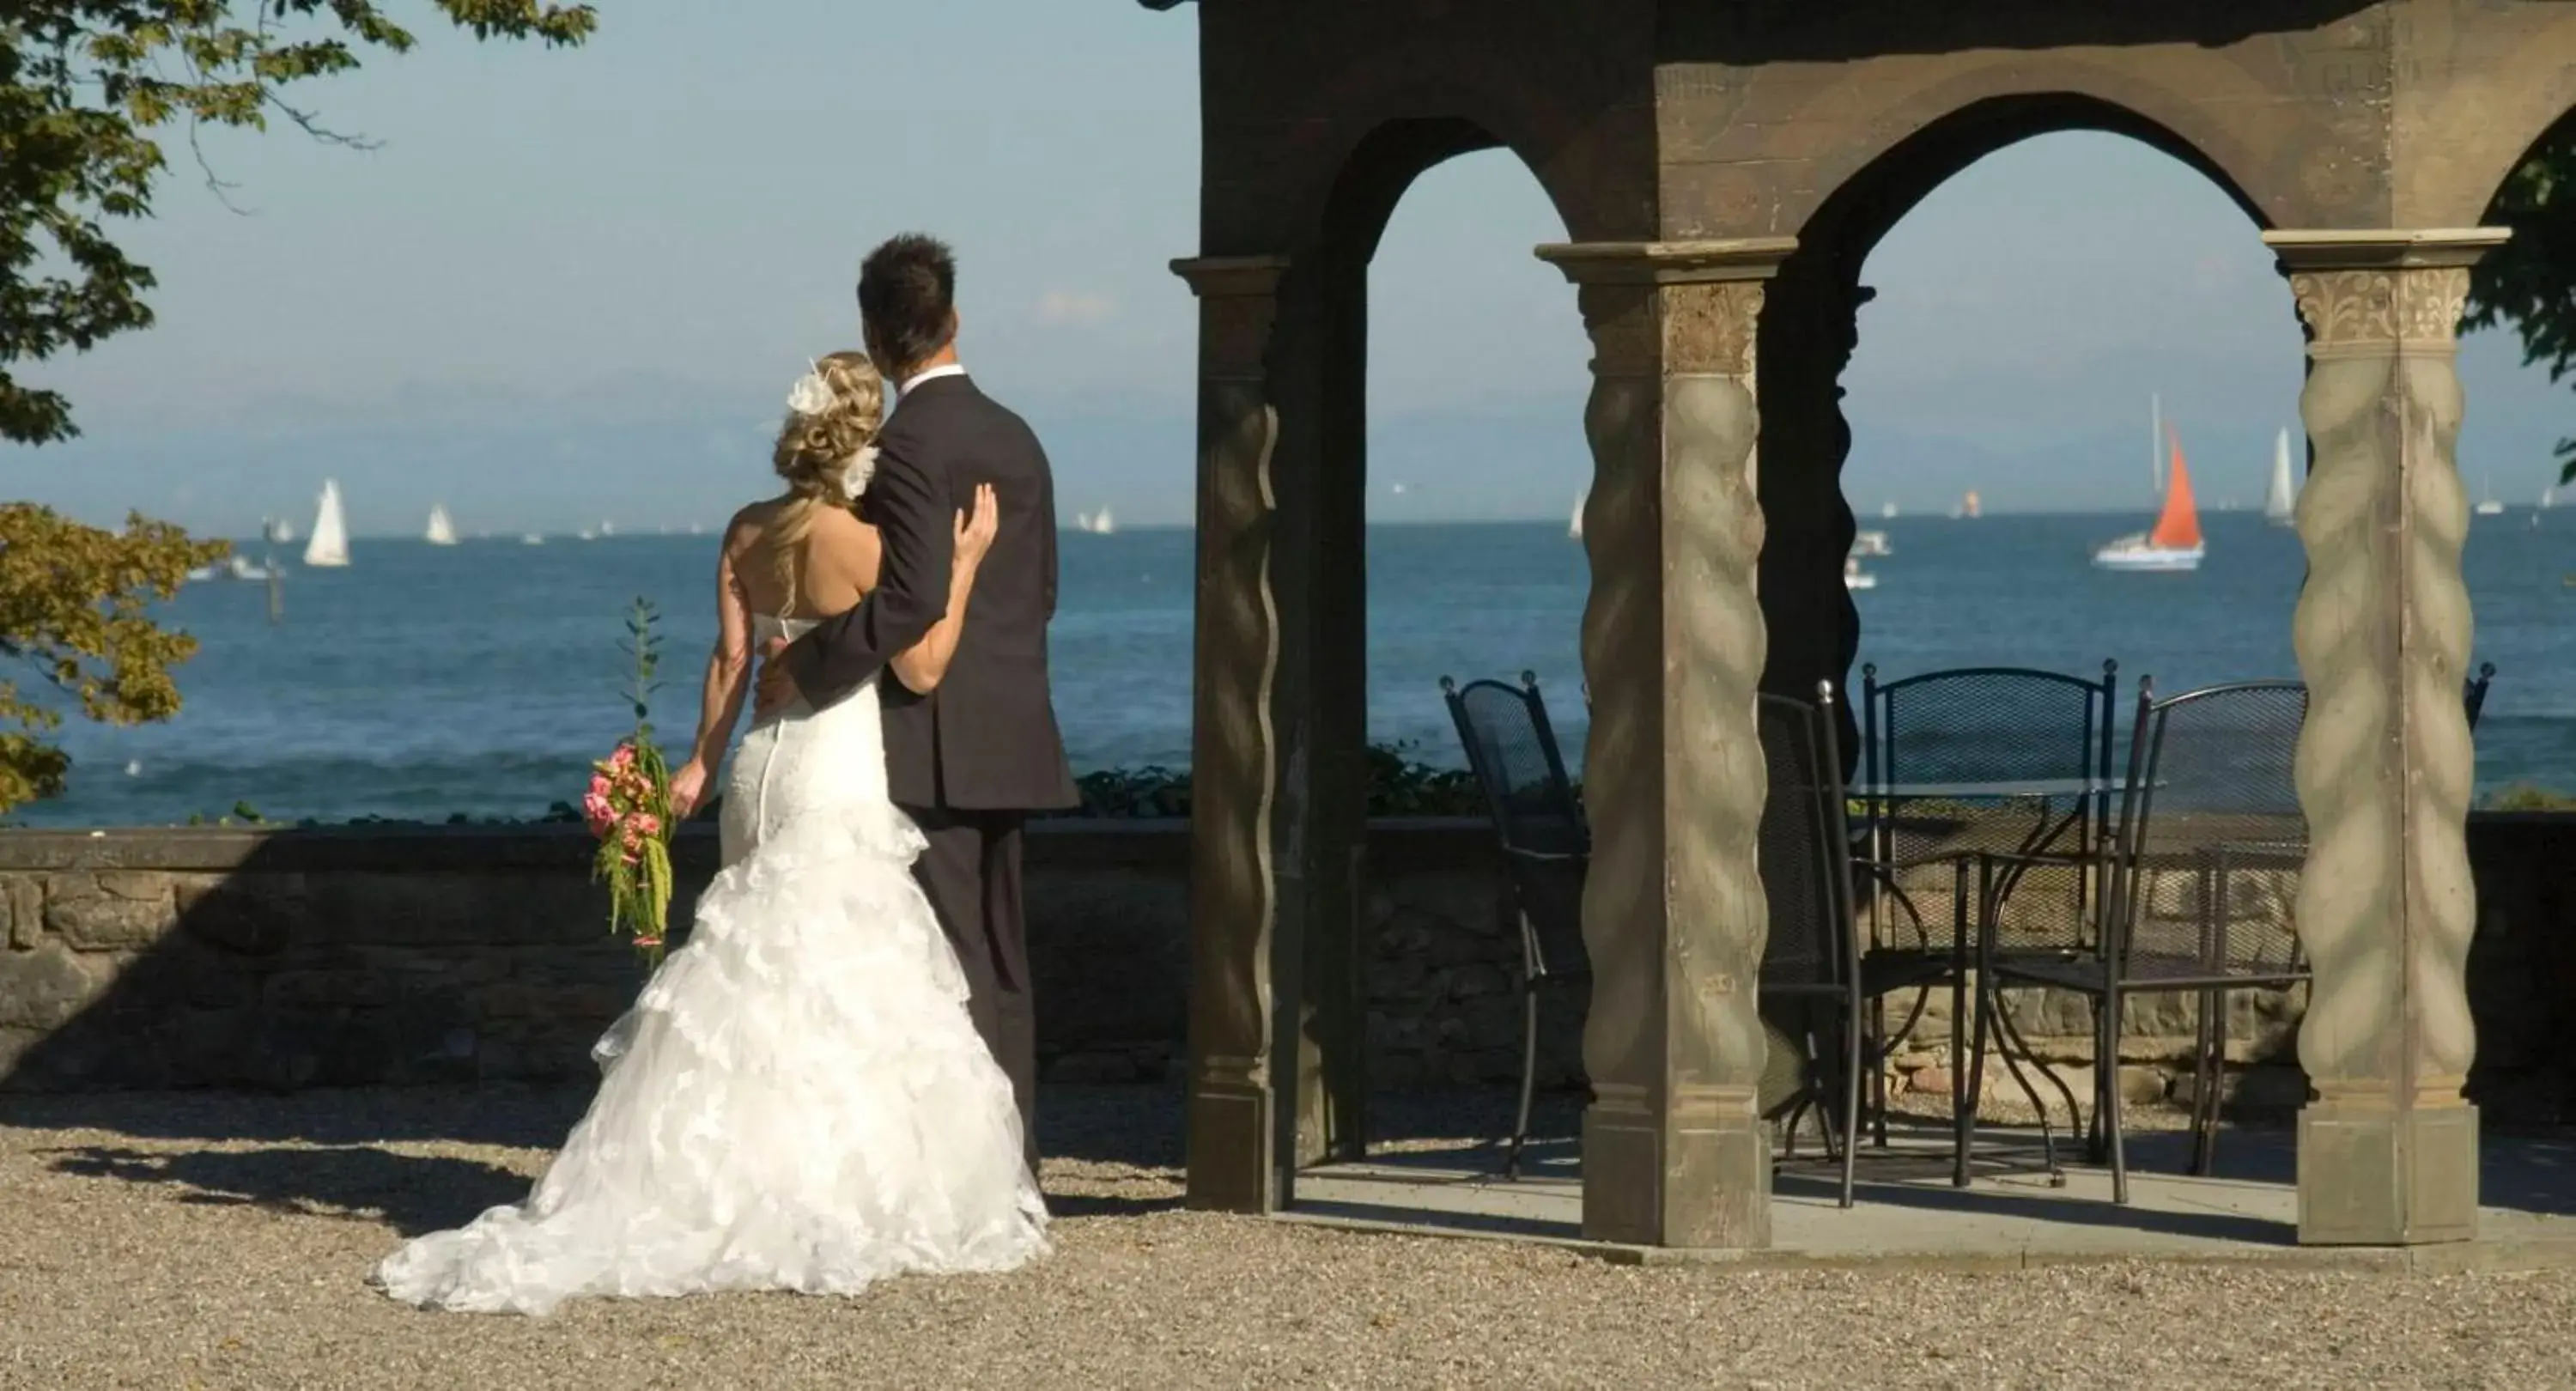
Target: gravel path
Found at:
213, 1240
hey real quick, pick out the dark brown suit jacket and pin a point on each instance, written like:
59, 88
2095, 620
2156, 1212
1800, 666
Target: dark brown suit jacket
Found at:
987, 739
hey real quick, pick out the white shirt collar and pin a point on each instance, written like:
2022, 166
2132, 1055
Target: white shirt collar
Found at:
904, 388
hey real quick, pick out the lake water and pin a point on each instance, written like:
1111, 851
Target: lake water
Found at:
422, 681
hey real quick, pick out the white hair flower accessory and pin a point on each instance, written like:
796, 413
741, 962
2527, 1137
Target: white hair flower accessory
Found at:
811, 395
863, 466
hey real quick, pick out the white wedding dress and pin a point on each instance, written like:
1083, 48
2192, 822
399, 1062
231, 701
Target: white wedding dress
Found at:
798, 1100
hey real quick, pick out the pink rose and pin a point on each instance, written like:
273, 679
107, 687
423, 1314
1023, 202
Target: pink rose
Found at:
624, 757
644, 823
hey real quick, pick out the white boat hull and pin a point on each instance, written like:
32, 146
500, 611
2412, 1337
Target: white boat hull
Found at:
2142, 558
1860, 581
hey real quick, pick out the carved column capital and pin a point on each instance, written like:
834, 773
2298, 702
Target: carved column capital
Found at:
2375, 292
1671, 309
1238, 303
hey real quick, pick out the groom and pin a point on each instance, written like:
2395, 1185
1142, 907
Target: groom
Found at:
970, 761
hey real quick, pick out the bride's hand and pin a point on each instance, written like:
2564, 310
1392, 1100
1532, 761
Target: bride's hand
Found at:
688, 789
975, 532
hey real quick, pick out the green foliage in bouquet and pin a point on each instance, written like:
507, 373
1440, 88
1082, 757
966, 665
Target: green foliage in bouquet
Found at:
628, 807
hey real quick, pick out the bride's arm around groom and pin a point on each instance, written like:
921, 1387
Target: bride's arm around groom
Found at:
912, 513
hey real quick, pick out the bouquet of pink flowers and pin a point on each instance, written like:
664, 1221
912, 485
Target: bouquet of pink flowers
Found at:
628, 809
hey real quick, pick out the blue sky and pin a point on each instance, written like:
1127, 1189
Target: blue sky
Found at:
574, 286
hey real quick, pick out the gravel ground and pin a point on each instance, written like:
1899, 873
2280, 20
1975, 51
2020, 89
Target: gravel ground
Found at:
186, 1240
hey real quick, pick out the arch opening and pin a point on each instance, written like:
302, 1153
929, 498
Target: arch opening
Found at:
2058, 290
1397, 561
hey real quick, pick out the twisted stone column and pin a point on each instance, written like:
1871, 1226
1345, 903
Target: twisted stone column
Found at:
1234, 1149
1810, 325
1675, 1152
2388, 1150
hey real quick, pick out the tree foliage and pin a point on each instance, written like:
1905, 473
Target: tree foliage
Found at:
92, 95
76, 619
2530, 281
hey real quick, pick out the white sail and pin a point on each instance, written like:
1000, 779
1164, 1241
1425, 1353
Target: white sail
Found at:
2282, 503
442, 532
330, 544
1102, 523
1574, 527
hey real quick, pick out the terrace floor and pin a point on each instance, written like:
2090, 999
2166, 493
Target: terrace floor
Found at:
1908, 1213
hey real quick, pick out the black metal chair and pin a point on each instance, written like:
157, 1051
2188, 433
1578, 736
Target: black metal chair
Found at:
1982, 726
2210, 795
2475, 694
1813, 950
1546, 847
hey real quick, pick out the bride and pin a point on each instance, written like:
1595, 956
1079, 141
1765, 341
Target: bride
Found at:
798, 1100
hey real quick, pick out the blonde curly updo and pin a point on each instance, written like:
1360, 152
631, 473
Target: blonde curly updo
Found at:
817, 451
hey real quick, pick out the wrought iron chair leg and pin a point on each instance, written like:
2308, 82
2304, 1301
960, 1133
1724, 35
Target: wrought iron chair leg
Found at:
2108, 1036
2008, 1036
1963, 1107
1529, 1076
1851, 1094
1877, 1056
2208, 1071
2106, 1075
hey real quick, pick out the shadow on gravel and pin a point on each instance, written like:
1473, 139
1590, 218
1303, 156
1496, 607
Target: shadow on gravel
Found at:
511, 1117
413, 1194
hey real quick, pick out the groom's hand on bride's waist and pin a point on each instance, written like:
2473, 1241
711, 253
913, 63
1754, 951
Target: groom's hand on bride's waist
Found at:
773, 690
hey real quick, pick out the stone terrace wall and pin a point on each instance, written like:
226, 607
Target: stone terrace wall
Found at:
349, 956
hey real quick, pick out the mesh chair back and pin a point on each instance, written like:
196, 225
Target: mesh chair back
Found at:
2213, 838
2475, 695
1512, 750
1988, 725
1805, 847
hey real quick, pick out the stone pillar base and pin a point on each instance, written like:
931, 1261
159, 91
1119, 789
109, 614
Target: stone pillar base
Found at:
1697, 1177
1229, 1140
2377, 1176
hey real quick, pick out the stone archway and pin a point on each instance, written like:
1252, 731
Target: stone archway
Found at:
1689, 146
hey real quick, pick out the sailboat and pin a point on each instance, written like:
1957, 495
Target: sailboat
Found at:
2490, 507
1574, 526
2174, 544
2280, 508
1856, 578
329, 547
1098, 523
442, 532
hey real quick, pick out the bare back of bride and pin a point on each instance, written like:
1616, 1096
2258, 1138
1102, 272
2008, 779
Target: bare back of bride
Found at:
799, 1099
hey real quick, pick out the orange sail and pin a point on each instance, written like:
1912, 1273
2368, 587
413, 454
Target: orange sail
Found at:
2179, 528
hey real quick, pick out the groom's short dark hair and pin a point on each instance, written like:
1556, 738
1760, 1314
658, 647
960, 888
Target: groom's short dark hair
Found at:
908, 297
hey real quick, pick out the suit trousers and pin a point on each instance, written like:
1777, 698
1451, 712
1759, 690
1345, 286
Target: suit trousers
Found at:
971, 874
